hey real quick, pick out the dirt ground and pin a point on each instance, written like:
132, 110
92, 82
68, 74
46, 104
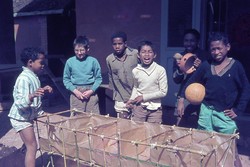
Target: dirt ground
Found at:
12, 155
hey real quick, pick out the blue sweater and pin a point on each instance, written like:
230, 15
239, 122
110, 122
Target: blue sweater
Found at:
229, 90
82, 72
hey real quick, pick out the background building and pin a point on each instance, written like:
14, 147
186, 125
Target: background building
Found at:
53, 25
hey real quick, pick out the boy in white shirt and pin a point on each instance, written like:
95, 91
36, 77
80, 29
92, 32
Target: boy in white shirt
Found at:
150, 85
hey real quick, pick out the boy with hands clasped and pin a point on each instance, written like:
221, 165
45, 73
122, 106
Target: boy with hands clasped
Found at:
82, 77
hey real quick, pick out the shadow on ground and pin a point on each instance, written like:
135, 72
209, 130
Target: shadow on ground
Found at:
5, 123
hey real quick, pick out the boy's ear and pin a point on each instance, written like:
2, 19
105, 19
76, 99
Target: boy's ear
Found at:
138, 56
228, 46
29, 63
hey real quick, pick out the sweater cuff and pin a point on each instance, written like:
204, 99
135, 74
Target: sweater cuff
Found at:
146, 97
94, 88
72, 88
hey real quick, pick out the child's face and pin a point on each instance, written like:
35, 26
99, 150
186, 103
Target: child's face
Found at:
119, 46
37, 65
190, 43
146, 55
80, 51
219, 50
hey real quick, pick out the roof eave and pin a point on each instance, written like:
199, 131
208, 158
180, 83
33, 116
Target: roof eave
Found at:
34, 13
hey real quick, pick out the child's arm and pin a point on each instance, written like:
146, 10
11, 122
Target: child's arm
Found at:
111, 84
230, 113
244, 90
40, 92
180, 106
196, 77
130, 103
21, 94
67, 78
97, 75
178, 76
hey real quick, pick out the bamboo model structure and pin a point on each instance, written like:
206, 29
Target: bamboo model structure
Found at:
97, 140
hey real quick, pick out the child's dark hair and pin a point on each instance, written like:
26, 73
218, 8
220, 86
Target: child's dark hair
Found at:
119, 34
30, 53
147, 43
81, 40
192, 31
218, 36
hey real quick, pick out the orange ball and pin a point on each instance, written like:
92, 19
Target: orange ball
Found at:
195, 93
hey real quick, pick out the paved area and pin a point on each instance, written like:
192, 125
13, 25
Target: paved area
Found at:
11, 154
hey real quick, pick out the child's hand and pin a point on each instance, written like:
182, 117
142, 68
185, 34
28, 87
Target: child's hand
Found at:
180, 107
87, 93
78, 94
129, 104
177, 56
197, 62
48, 89
39, 92
138, 100
230, 113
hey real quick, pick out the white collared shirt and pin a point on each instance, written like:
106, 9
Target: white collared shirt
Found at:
151, 83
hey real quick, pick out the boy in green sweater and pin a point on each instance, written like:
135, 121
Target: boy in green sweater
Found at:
82, 77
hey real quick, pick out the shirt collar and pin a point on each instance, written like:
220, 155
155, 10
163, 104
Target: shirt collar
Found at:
28, 71
127, 52
148, 70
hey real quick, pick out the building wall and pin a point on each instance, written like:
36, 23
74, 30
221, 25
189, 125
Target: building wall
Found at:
7, 51
98, 20
30, 32
61, 31
140, 19
238, 27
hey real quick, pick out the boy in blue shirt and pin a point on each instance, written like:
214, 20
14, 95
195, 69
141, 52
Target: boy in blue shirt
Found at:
82, 77
227, 87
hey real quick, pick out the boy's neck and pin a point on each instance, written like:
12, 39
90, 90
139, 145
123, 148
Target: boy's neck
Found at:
147, 65
225, 59
122, 57
29, 68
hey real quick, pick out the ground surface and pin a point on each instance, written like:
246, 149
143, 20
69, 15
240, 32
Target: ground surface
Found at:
11, 154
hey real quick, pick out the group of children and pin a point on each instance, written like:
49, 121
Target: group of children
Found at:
138, 85
137, 81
